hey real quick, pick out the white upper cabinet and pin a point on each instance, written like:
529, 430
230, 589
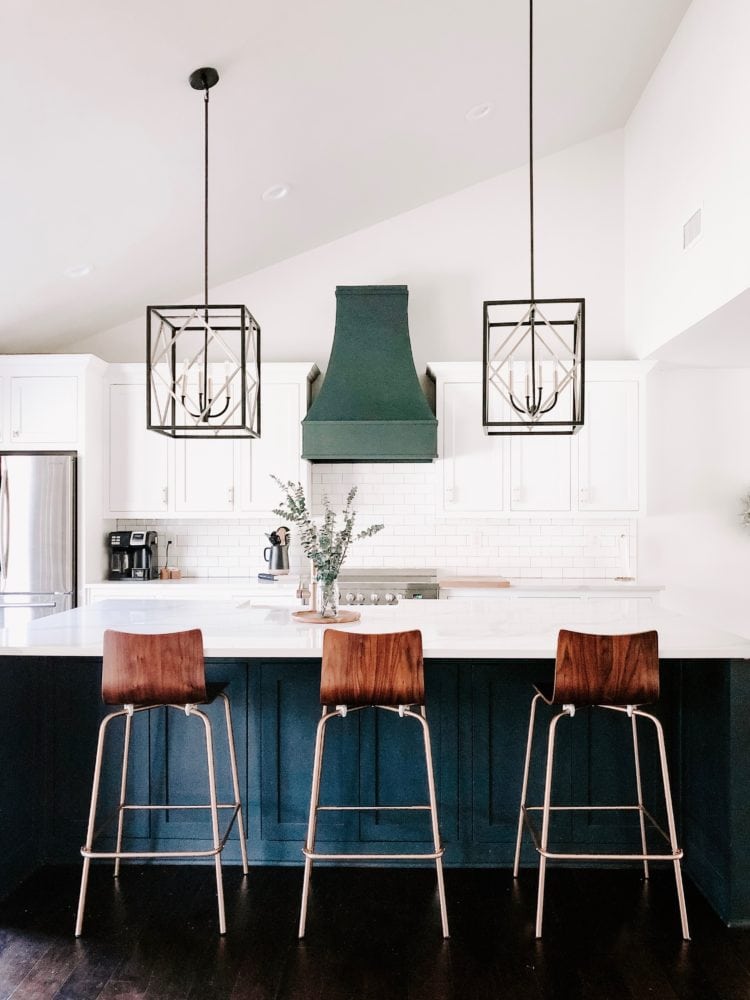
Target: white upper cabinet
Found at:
204, 475
152, 475
608, 453
43, 409
138, 458
470, 464
277, 452
540, 473
600, 469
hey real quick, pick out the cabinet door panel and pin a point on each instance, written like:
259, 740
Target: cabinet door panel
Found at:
138, 458
178, 762
277, 452
204, 475
393, 772
289, 711
501, 700
540, 473
608, 447
472, 461
44, 408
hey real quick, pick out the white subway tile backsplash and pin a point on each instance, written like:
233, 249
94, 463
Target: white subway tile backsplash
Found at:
402, 497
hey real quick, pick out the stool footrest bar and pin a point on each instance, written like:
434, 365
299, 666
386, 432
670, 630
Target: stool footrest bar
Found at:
315, 856
369, 808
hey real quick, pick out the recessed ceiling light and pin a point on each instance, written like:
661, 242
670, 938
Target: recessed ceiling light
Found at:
276, 192
478, 112
79, 270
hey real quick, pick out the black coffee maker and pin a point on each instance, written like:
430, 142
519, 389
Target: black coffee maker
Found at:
133, 555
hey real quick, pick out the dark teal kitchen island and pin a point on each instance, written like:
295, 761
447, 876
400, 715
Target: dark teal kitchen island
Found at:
477, 704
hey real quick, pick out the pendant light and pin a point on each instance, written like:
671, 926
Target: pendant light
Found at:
203, 361
533, 357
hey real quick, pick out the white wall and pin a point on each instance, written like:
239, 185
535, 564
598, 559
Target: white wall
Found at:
687, 145
698, 469
452, 253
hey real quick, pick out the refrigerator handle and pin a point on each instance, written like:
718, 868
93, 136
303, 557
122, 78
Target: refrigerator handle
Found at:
4, 522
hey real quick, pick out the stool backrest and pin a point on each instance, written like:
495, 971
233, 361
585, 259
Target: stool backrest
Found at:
606, 669
360, 669
153, 669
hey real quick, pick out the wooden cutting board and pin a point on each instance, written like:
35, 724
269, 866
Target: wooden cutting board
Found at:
476, 582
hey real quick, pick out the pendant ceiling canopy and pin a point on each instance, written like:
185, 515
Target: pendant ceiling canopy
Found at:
533, 350
203, 361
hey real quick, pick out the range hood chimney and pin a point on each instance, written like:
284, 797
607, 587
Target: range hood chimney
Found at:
371, 407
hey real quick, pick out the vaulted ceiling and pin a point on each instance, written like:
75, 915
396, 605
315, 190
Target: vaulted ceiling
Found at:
358, 106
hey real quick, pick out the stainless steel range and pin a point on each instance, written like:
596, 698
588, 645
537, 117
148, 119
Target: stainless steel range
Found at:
387, 586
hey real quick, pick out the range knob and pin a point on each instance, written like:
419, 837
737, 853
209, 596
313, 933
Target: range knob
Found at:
359, 599
390, 598
349, 598
374, 598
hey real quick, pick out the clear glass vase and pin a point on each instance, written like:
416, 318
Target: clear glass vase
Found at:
329, 598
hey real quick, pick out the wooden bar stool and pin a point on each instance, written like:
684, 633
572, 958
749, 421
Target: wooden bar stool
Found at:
619, 673
377, 671
143, 673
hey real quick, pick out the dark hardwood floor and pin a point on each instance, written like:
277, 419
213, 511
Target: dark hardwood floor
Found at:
372, 935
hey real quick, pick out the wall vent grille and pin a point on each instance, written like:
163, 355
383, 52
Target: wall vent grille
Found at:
692, 229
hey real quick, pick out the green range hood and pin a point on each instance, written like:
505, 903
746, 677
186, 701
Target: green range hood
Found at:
371, 407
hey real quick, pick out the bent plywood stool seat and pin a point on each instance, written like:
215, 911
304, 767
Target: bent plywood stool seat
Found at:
619, 673
385, 672
164, 671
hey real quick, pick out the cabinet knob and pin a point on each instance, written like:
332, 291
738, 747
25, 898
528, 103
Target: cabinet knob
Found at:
16, 434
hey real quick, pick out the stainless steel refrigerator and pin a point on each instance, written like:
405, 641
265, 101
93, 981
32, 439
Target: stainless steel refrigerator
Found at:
37, 535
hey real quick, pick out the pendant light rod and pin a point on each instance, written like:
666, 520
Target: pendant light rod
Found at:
205, 199
531, 145
203, 79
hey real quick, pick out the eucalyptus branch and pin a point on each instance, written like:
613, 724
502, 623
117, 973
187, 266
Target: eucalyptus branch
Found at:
325, 546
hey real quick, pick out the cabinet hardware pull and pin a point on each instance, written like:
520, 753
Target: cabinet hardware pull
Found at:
165, 495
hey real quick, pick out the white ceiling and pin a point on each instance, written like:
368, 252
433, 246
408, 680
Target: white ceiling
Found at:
358, 105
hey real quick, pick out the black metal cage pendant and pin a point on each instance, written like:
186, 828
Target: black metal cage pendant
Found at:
203, 371
203, 361
533, 349
533, 366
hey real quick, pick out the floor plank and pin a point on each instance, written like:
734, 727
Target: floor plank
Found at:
372, 935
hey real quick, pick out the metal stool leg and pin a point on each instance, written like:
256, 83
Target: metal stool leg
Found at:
670, 821
235, 781
313, 817
639, 789
525, 785
92, 817
123, 785
545, 821
191, 710
422, 716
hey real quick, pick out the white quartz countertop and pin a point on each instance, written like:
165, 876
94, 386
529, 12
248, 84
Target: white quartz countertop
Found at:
224, 583
574, 586
470, 629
